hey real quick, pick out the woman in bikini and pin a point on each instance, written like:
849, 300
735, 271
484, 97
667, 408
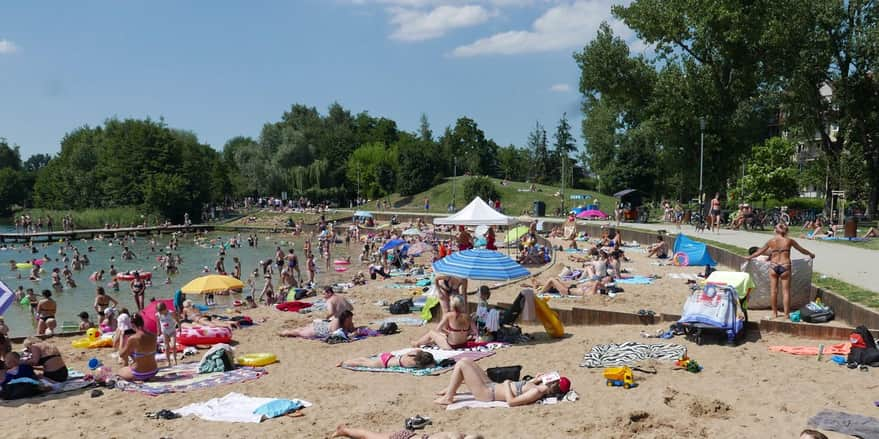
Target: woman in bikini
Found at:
102, 301
778, 249
453, 330
138, 288
414, 359
141, 347
45, 310
513, 393
46, 356
446, 286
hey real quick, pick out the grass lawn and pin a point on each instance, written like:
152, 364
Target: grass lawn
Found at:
513, 201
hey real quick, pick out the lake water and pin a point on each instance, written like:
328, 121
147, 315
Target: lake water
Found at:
196, 256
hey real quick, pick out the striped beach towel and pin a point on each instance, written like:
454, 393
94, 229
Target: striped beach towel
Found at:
630, 353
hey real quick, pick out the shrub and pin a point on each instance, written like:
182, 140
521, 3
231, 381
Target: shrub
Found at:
482, 187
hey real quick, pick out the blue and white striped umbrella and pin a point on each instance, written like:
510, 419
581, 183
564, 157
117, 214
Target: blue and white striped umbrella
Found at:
6, 297
480, 265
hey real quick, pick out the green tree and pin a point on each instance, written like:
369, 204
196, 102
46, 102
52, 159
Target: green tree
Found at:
424, 131
540, 158
514, 163
770, 173
482, 187
371, 166
475, 154
563, 148
418, 160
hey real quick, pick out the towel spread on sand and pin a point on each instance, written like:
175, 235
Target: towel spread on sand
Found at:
630, 353
839, 349
846, 423
185, 377
467, 400
401, 321
438, 355
635, 280
233, 407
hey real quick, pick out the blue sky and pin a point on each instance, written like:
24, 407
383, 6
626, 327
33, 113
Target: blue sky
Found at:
224, 68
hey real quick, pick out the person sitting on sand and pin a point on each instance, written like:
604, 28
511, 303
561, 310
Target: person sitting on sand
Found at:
357, 433
336, 304
46, 355
660, 249
323, 328
514, 393
453, 331
414, 359
141, 348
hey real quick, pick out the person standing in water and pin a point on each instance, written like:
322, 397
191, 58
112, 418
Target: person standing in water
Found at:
778, 250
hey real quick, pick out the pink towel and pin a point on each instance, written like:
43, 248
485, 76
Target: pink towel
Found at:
528, 312
836, 349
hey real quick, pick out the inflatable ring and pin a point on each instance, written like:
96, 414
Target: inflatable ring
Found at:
681, 259
144, 275
341, 262
104, 342
259, 359
341, 269
39, 262
24, 265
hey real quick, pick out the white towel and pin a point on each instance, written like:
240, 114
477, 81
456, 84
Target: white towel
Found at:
467, 400
492, 320
528, 312
233, 407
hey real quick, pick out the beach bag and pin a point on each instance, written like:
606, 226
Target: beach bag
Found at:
402, 306
508, 334
864, 350
501, 374
815, 313
388, 328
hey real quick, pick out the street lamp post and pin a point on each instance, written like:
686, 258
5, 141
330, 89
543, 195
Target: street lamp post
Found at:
701, 161
454, 177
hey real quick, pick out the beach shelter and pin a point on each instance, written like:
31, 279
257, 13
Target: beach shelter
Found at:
591, 214
412, 232
392, 244
480, 265
362, 214
515, 234
6, 297
477, 213
212, 283
695, 253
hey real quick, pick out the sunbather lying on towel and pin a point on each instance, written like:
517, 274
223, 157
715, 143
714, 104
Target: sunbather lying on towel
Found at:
416, 359
323, 328
356, 433
453, 330
555, 286
513, 393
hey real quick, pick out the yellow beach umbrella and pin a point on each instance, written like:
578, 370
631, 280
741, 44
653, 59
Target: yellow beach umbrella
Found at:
515, 234
212, 283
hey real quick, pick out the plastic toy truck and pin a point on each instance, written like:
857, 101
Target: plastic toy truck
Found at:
619, 377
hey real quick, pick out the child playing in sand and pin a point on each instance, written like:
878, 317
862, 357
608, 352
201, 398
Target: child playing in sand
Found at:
168, 322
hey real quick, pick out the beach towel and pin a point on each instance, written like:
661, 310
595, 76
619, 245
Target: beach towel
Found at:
438, 355
292, 306
185, 378
468, 401
846, 423
528, 311
839, 349
233, 407
630, 353
401, 321
635, 280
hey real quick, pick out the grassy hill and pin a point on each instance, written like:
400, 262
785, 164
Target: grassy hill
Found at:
512, 200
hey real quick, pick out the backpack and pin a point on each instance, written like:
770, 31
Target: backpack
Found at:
402, 306
864, 349
388, 328
815, 313
501, 374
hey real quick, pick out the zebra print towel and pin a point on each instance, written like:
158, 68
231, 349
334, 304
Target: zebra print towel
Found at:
630, 353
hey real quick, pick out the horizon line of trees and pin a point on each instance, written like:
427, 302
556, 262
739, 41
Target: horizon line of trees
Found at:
337, 157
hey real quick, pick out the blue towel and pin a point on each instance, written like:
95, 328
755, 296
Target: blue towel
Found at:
277, 407
636, 280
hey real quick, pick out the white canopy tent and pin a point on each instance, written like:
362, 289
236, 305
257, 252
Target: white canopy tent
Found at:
477, 213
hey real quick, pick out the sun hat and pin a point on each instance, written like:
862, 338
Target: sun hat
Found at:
564, 385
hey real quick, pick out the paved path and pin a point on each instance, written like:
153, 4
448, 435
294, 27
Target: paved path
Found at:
856, 266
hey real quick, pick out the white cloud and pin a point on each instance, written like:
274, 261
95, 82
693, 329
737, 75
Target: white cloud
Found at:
560, 27
419, 25
560, 88
7, 47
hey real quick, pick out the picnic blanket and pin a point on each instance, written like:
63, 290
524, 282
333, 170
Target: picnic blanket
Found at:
401, 321
185, 378
438, 355
234, 407
846, 423
630, 353
841, 349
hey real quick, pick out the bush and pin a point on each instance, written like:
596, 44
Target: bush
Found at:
482, 187
805, 203
96, 218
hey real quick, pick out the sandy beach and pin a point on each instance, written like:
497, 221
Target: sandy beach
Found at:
743, 391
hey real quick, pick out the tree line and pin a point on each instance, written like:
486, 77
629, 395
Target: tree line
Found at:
752, 70
336, 157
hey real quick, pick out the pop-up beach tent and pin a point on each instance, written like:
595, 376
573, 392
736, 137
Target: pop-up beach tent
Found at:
696, 252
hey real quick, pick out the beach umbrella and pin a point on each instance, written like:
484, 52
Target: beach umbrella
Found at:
412, 232
391, 244
212, 283
592, 213
480, 265
419, 248
6, 297
515, 234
